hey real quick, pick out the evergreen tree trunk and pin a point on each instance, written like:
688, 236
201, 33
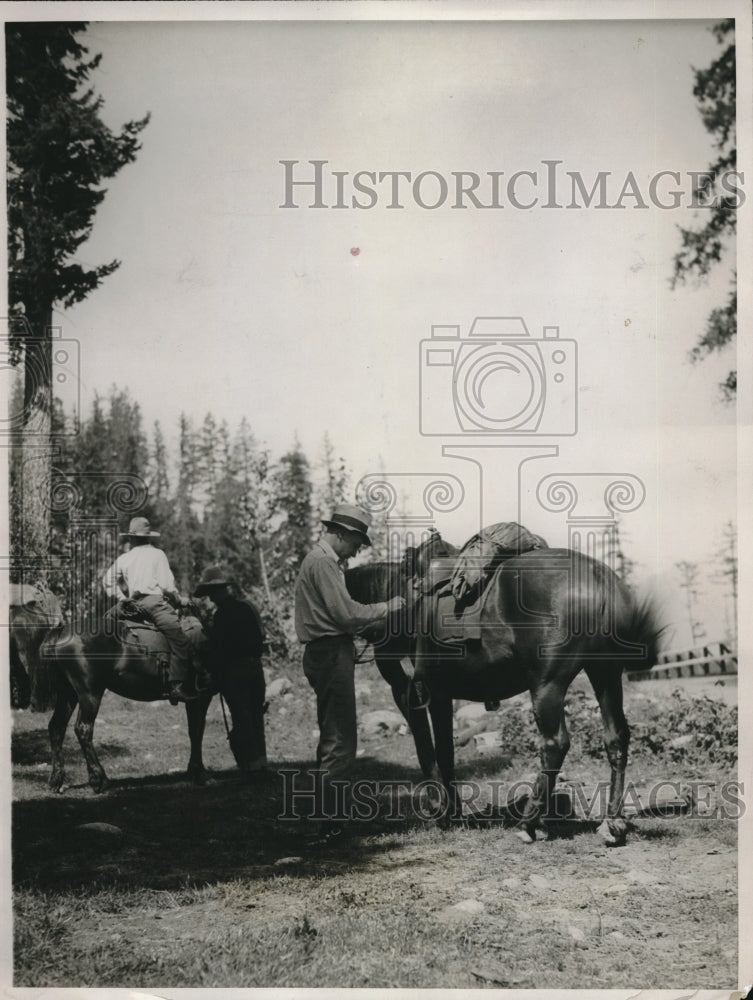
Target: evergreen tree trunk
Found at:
31, 530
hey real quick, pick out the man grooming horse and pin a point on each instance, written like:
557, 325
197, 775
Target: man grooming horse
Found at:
326, 619
143, 575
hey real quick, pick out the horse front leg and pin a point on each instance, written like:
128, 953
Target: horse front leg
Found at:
440, 709
88, 707
64, 705
549, 712
607, 684
196, 715
417, 718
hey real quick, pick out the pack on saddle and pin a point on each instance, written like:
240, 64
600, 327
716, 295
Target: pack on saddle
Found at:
454, 586
135, 629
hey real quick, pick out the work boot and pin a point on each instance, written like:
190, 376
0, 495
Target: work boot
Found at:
178, 693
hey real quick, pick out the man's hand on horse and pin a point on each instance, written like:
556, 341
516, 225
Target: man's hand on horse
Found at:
395, 604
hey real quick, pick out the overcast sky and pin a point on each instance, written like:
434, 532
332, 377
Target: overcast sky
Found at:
226, 302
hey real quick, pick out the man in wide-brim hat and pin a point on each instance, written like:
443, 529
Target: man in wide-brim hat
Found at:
237, 639
143, 575
326, 620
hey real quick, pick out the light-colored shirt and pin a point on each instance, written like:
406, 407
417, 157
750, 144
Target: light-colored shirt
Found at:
143, 570
323, 605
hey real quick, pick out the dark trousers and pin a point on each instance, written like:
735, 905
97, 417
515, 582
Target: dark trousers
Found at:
329, 666
241, 683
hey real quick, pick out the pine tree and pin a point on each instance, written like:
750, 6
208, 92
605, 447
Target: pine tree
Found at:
159, 478
726, 559
689, 583
59, 152
332, 478
183, 542
292, 493
257, 505
702, 248
615, 555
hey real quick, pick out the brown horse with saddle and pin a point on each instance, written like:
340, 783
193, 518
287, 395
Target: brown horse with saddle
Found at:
486, 629
128, 657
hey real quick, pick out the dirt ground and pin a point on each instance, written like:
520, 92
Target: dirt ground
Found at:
181, 886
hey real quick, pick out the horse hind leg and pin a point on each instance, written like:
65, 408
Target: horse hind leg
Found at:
606, 680
549, 712
64, 705
88, 707
196, 716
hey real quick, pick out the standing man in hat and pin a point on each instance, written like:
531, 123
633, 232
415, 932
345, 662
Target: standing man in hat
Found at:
237, 644
326, 620
143, 575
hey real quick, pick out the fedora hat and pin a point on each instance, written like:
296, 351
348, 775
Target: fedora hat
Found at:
139, 528
213, 576
352, 518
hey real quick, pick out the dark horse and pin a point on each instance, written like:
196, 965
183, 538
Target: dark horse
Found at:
84, 663
547, 615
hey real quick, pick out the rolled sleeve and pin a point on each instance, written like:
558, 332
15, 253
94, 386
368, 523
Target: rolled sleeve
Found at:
349, 615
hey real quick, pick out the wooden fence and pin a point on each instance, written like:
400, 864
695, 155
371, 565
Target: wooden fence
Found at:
715, 658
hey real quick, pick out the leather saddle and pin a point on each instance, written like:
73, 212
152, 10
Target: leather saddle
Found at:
133, 628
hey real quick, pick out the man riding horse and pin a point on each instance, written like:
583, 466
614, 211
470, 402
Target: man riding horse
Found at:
143, 576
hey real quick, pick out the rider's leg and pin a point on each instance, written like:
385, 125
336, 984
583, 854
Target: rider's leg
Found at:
166, 619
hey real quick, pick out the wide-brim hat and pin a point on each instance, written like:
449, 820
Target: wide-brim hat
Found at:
139, 528
352, 518
211, 578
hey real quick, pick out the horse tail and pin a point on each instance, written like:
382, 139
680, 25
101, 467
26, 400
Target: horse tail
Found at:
643, 627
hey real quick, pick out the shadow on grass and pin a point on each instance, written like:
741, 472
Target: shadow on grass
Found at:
165, 832
33, 747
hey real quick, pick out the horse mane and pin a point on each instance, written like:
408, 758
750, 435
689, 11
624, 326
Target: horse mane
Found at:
373, 582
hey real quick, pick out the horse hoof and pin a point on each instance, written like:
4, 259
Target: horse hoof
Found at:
525, 837
613, 832
199, 778
100, 785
